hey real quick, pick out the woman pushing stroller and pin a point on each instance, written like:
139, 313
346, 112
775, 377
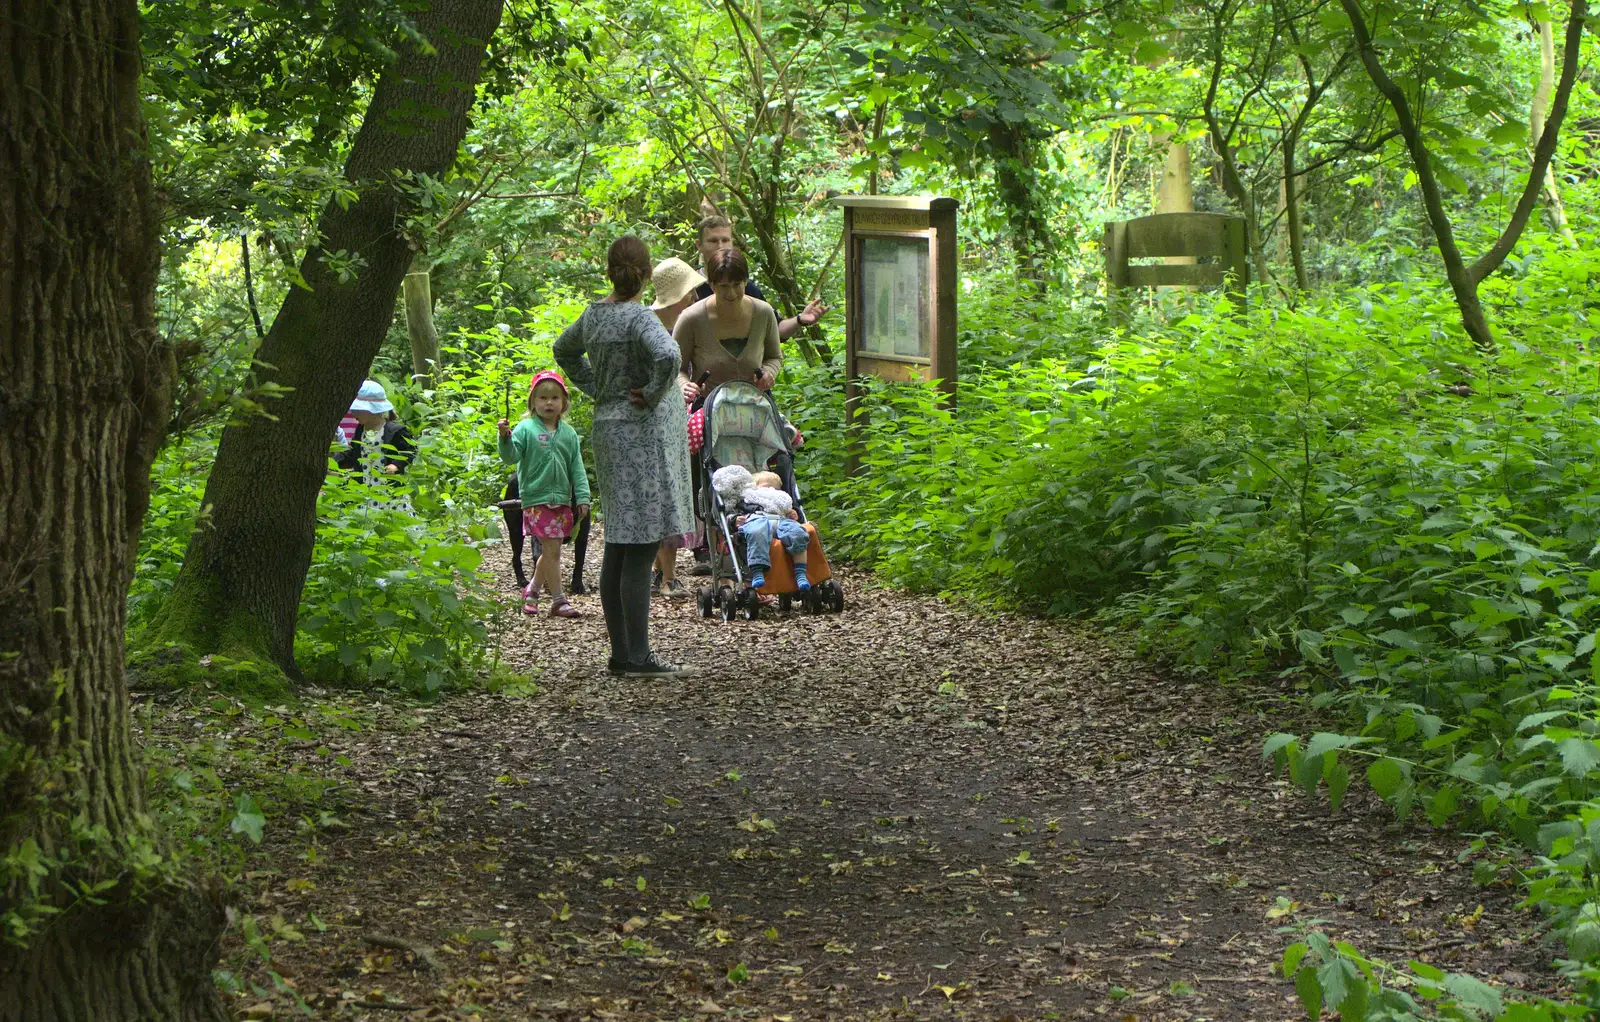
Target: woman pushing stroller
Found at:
729, 336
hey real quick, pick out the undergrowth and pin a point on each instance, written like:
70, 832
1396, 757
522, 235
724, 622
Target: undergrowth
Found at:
396, 594
1345, 494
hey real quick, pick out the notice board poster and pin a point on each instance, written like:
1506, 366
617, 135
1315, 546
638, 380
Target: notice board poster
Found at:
896, 300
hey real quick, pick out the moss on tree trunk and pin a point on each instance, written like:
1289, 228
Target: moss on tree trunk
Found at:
201, 636
85, 392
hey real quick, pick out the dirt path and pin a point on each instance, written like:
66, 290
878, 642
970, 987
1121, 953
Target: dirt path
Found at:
908, 811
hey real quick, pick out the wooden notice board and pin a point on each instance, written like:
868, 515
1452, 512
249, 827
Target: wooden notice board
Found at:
900, 296
900, 288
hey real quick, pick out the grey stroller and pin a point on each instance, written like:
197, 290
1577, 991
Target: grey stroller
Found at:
743, 427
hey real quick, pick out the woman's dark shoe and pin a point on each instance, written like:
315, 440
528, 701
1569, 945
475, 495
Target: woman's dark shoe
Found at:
655, 667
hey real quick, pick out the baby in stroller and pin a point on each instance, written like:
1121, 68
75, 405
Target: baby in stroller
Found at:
777, 551
769, 515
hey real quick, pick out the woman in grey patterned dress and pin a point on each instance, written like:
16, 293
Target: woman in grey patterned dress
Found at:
619, 354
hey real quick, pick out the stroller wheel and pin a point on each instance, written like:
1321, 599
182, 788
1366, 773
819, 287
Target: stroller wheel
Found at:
785, 603
725, 603
706, 598
751, 601
836, 595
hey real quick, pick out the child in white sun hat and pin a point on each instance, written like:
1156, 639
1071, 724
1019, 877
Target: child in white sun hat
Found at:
375, 422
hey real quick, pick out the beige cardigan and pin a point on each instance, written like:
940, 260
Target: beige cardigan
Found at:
701, 351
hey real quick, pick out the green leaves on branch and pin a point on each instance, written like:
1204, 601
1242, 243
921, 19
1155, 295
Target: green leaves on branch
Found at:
1333, 976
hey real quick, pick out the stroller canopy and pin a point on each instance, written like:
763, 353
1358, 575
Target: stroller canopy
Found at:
742, 426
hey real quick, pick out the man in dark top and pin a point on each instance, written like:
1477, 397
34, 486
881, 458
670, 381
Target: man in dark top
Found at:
716, 234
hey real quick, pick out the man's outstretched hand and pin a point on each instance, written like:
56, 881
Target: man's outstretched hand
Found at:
814, 310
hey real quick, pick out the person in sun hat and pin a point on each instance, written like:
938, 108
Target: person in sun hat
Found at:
375, 420
675, 284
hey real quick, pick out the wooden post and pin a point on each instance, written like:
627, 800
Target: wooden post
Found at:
855, 417
1115, 245
942, 218
419, 327
1235, 261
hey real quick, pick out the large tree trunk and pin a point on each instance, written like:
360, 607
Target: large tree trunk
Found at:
1175, 193
85, 393
239, 590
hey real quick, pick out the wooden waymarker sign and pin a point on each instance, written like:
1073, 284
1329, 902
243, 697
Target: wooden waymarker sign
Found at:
1203, 236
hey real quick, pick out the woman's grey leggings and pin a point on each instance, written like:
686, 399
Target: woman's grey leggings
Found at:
625, 599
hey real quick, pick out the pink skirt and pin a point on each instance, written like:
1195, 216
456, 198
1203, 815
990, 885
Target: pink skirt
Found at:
688, 540
548, 521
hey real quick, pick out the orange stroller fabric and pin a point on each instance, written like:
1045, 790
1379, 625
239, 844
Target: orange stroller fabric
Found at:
780, 579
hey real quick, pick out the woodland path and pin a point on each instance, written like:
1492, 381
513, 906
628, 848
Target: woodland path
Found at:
1069, 833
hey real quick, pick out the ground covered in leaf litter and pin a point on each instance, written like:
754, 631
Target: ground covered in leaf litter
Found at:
911, 810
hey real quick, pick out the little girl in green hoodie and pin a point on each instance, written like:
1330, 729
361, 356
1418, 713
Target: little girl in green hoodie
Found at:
551, 480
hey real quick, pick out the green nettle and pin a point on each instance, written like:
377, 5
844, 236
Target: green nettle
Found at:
1346, 494
386, 598
395, 593
1334, 975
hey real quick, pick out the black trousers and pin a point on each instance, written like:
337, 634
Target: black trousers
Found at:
625, 599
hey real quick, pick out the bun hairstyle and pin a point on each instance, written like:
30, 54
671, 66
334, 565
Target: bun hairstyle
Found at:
628, 265
728, 267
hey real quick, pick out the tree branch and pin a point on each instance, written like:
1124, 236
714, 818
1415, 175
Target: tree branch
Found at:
1422, 162
1348, 146
1462, 284
1542, 153
249, 283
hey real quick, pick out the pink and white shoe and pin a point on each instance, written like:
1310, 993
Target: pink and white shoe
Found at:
563, 608
530, 600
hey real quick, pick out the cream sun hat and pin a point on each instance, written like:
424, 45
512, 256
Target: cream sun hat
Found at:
673, 279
